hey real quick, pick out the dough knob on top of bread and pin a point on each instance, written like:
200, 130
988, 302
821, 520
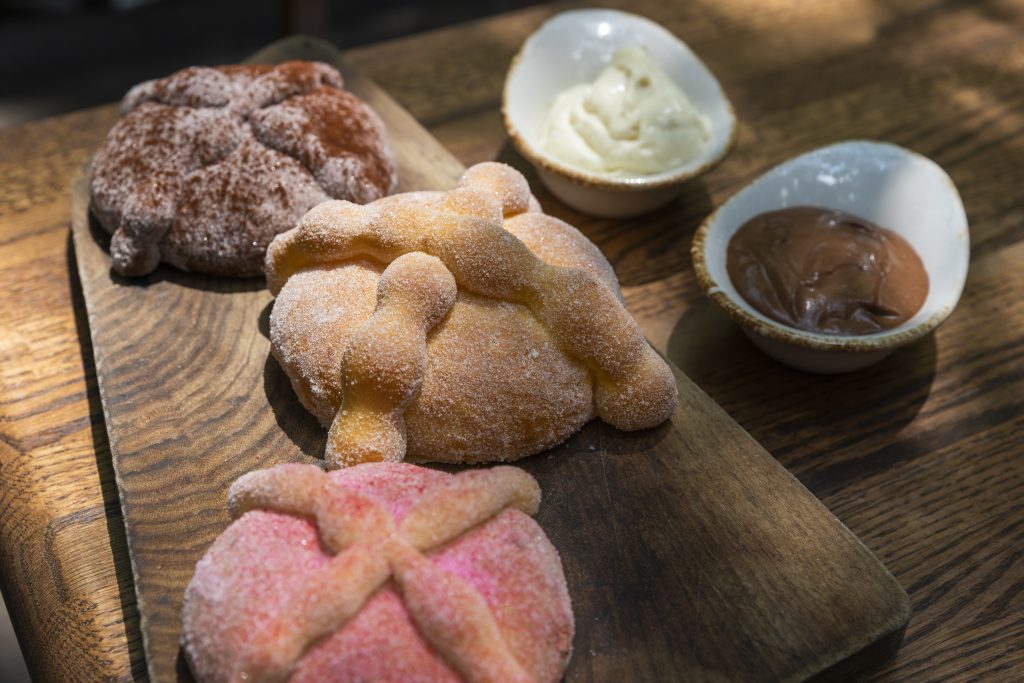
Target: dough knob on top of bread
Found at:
532, 340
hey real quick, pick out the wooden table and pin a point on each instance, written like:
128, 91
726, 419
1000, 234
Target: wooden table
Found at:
921, 456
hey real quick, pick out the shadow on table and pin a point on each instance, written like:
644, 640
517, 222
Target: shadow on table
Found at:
798, 416
13, 668
298, 424
181, 669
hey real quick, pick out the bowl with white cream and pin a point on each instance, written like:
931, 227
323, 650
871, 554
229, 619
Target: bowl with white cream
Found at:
614, 111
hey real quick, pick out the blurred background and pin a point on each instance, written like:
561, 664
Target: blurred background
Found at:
60, 55
57, 56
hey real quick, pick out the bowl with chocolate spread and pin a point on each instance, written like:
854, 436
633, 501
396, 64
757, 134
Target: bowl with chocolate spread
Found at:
833, 259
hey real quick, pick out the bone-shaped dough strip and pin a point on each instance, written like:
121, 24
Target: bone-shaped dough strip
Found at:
465, 501
389, 227
317, 611
453, 618
291, 488
384, 364
297, 489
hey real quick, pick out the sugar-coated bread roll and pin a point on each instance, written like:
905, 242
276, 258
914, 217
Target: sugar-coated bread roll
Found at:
460, 326
380, 572
209, 164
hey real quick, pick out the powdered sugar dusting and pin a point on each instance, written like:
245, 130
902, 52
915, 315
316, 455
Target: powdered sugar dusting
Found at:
337, 139
560, 244
183, 178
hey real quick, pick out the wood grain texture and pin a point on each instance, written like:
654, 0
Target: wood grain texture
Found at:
920, 456
63, 557
689, 551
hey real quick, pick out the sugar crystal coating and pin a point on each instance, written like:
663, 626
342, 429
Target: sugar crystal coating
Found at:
535, 343
209, 164
384, 572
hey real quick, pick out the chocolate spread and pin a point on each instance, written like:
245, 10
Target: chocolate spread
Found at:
826, 271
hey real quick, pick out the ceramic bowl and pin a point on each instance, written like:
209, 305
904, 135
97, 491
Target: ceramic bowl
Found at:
885, 184
574, 47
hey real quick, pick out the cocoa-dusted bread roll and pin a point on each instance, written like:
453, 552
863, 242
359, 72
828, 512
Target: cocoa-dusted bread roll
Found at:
384, 572
461, 326
209, 164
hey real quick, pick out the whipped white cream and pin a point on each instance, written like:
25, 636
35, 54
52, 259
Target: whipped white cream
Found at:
632, 120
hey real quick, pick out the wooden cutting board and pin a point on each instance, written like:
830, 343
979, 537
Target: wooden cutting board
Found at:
689, 551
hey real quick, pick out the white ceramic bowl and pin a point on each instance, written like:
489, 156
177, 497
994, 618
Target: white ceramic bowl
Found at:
885, 184
574, 47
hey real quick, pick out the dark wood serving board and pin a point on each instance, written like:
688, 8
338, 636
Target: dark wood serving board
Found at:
690, 553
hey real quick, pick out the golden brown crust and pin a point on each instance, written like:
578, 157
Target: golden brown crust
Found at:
497, 387
558, 303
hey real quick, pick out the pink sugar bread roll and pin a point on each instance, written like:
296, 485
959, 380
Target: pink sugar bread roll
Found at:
379, 572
